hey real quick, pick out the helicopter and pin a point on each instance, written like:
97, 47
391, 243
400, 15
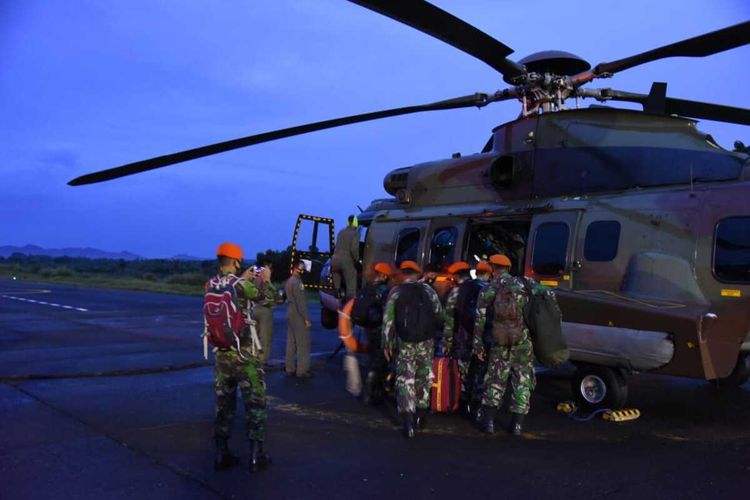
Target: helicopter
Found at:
638, 220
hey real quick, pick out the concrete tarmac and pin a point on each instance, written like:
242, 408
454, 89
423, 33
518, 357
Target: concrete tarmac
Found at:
111, 398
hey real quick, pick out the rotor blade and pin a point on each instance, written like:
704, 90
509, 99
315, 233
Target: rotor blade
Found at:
683, 107
437, 23
477, 100
699, 46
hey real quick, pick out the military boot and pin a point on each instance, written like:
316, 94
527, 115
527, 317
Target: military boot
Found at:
516, 424
224, 459
407, 419
258, 459
421, 420
487, 421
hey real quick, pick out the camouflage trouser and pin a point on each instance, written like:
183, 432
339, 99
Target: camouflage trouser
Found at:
230, 371
463, 373
517, 363
475, 379
414, 375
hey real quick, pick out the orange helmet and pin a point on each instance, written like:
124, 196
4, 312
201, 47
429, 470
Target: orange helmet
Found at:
230, 250
500, 260
457, 267
484, 267
384, 268
411, 265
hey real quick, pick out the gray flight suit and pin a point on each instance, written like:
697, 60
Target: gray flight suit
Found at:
344, 259
263, 315
297, 335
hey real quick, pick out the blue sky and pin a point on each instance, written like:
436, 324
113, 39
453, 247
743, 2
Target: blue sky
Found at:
87, 85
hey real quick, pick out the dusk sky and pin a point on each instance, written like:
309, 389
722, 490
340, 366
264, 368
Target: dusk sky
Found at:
90, 84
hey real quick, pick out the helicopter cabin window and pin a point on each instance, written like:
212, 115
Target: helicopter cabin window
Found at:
550, 248
732, 250
408, 245
602, 240
443, 247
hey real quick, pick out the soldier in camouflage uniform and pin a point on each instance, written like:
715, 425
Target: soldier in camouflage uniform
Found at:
511, 356
241, 368
378, 367
263, 311
456, 341
414, 359
477, 367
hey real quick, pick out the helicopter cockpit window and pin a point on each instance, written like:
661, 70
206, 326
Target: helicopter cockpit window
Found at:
732, 250
602, 240
550, 248
408, 245
443, 247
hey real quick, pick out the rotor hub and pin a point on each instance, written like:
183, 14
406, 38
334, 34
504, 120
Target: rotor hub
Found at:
556, 62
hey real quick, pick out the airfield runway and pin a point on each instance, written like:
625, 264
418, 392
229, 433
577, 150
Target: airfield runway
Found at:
105, 394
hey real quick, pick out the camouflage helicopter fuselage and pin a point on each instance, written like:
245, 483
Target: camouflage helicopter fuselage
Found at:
641, 222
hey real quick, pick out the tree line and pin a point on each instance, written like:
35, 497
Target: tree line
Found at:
175, 271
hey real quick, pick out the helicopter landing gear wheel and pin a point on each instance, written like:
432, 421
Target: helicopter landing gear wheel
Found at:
597, 387
739, 375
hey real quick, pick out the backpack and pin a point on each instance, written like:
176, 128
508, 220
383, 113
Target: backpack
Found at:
507, 317
466, 314
368, 307
223, 316
415, 317
544, 320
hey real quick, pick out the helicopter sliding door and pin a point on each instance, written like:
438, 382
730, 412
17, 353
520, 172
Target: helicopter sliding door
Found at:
551, 257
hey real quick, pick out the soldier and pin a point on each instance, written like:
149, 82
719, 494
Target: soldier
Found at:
460, 307
511, 355
345, 258
241, 367
374, 385
412, 314
477, 368
263, 311
298, 325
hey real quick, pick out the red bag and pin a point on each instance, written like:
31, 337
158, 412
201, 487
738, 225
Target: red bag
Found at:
446, 389
221, 312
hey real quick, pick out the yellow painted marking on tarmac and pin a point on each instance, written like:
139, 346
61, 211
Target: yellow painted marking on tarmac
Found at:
549, 283
25, 291
621, 415
566, 407
726, 292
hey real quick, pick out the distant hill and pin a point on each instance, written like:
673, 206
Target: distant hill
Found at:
86, 253
89, 253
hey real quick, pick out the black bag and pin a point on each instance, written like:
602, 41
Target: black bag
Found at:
368, 307
415, 317
544, 320
466, 314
